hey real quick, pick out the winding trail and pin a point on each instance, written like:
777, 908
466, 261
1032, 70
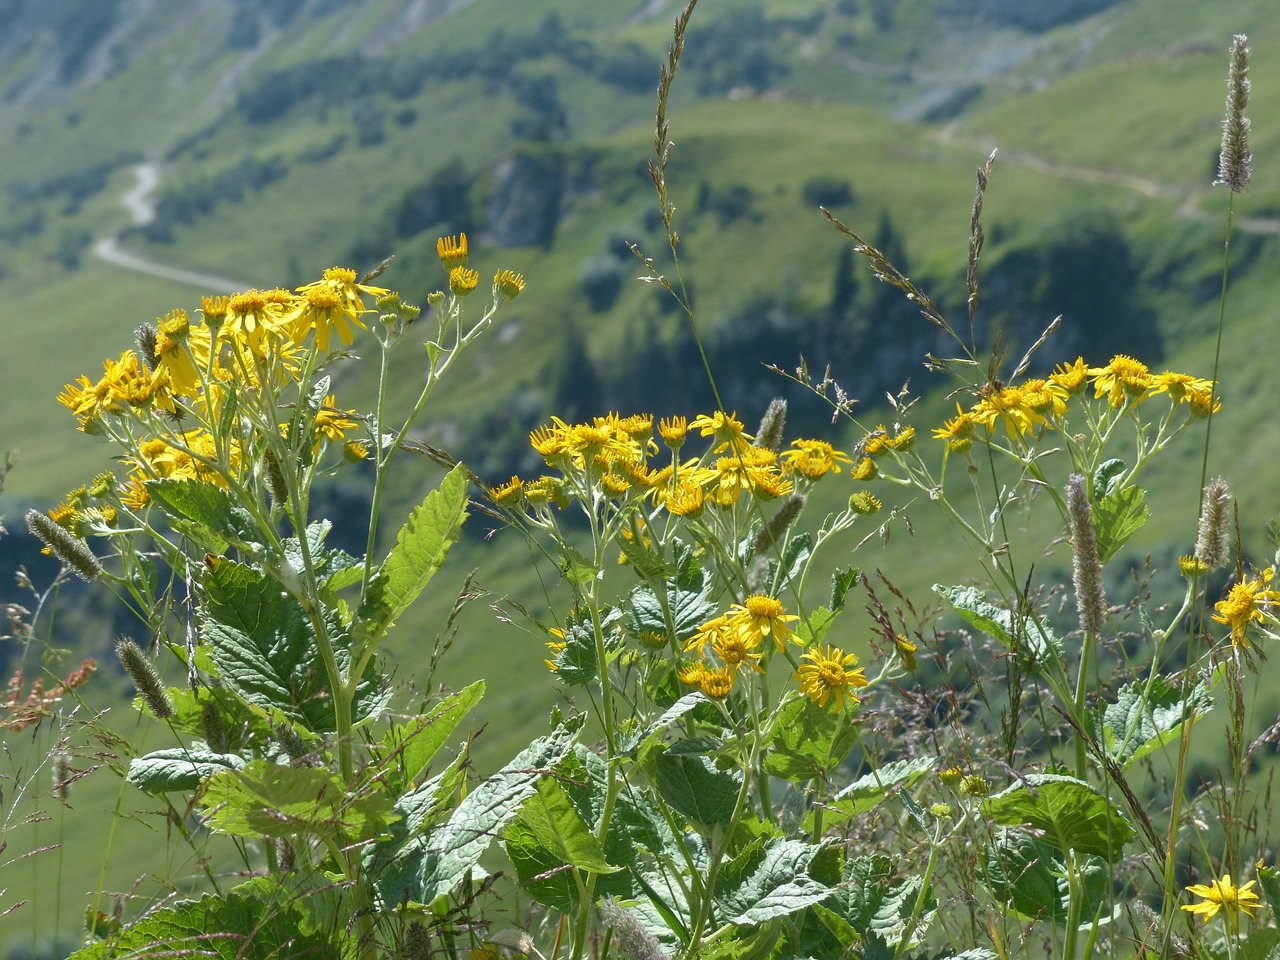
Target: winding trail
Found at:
1188, 199
142, 211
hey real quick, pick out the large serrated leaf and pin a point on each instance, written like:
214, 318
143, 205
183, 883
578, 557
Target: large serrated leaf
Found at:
869, 791
1032, 635
212, 514
410, 746
264, 799
455, 847
1117, 517
235, 927
265, 650
1148, 715
876, 903
419, 551
686, 601
1028, 878
808, 741
1068, 814
178, 768
778, 885
693, 786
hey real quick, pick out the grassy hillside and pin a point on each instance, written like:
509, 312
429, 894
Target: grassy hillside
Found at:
1113, 118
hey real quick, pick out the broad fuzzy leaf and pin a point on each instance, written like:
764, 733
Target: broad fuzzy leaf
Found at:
686, 602
869, 791
1117, 517
179, 768
410, 746
236, 927
264, 799
1029, 878
420, 549
876, 903
777, 886
212, 516
695, 788
1146, 716
1071, 814
452, 850
264, 649
1032, 636
808, 741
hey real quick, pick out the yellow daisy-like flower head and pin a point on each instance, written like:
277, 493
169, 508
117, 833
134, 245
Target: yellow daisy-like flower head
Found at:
762, 616
1070, 377
1123, 380
1247, 603
507, 285
1222, 895
718, 683
725, 428
508, 493
958, 431
830, 673
814, 458
452, 251
686, 499
462, 280
673, 430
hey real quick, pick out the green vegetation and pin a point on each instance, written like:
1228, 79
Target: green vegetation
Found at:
341, 145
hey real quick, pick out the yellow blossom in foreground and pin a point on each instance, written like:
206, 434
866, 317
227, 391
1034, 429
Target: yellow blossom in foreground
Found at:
673, 430
726, 429
331, 422
1070, 377
1222, 894
1122, 380
462, 280
1246, 604
761, 616
508, 493
813, 458
718, 683
829, 673
507, 285
452, 251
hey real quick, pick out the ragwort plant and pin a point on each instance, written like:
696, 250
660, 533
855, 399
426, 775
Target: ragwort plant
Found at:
226, 424
711, 818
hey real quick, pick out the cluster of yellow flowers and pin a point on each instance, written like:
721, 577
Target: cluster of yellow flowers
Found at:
1249, 602
612, 454
1042, 403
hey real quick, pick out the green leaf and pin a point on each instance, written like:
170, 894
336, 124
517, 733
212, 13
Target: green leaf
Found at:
878, 904
813, 629
1071, 814
561, 831
179, 768
1146, 716
1029, 878
808, 741
235, 927
1032, 635
213, 516
695, 788
869, 791
264, 799
419, 551
1269, 884
778, 885
673, 713
1117, 517
412, 745
453, 850
842, 582
687, 599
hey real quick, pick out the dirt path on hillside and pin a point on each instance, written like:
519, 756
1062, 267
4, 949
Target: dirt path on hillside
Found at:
1187, 208
140, 204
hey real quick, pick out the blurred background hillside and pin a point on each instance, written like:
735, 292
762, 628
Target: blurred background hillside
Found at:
152, 151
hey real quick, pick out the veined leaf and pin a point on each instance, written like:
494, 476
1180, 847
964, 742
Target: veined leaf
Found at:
413, 744
419, 551
213, 517
264, 799
779, 885
239, 926
808, 741
694, 787
1069, 814
454, 848
1029, 878
1033, 636
877, 903
1146, 716
1117, 517
869, 791
179, 768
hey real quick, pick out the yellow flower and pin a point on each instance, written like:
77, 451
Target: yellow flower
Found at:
1245, 604
1179, 386
1222, 894
452, 251
556, 647
463, 280
864, 503
507, 285
253, 318
725, 428
1010, 406
830, 672
864, 469
761, 616
685, 500
331, 422
1122, 380
508, 493
718, 683
734, 649
1070, 377
958, 431
673, 430
708, 633
814, 458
